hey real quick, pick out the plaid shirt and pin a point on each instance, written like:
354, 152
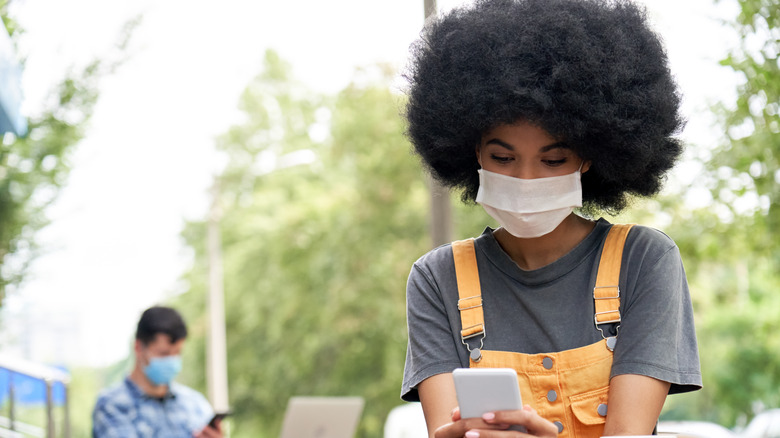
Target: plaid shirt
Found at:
124, 411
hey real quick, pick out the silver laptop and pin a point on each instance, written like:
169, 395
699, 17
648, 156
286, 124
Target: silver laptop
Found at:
321, 417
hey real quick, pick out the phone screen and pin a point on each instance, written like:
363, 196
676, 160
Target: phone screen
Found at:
481, 390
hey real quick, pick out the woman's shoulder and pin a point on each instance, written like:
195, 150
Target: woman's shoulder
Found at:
649, 236
432, 265
441, 257
436, 256
650, 244
638, 234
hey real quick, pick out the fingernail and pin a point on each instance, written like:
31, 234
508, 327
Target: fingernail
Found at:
488, 416
472, 434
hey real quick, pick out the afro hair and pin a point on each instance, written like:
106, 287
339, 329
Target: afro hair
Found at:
590, 72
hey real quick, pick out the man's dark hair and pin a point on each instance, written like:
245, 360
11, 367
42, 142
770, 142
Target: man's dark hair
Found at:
160, 320
589, 72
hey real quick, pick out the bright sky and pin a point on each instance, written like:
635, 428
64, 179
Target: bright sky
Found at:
113, 247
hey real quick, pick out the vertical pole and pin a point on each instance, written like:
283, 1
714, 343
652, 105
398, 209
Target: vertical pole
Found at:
49, 409
430, 8
216, 360
441, 210
11, 401
441, 213
66, 408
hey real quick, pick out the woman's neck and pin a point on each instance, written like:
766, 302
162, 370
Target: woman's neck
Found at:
530, 254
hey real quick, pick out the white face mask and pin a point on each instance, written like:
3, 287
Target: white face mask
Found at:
529, 207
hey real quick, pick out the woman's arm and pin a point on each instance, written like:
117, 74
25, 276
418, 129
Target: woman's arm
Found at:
437, 396
635, 403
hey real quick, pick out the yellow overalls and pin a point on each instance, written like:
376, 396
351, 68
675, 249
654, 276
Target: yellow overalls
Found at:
569, 387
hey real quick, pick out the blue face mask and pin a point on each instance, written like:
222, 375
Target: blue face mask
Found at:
162, 370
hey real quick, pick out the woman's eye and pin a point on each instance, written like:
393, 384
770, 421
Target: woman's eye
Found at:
554, 163
500, 158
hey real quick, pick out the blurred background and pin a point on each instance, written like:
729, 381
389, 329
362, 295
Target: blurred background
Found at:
135, 128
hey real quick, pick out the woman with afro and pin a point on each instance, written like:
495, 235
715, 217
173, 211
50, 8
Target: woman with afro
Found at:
534, 108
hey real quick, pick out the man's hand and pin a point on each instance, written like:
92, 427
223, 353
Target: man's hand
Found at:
211, 432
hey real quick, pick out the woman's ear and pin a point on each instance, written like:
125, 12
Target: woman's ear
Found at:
585, 167
479, 156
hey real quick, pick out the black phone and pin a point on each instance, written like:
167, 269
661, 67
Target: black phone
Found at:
217, 417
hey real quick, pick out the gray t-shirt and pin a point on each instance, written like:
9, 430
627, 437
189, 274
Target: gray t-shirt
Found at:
550, 309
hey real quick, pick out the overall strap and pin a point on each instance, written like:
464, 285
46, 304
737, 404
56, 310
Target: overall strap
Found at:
606, 293
469, 291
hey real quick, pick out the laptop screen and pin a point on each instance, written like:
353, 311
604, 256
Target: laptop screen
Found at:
322, 417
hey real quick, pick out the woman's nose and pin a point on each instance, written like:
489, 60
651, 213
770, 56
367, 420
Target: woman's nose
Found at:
523, 172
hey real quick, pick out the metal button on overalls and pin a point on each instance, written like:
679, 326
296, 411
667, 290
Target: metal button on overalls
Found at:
581, 375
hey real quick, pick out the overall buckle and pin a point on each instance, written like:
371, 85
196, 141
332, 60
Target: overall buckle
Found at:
473, 331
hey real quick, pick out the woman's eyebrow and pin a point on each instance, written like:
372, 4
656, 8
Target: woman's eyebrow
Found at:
556, 145
500, 143
549, 147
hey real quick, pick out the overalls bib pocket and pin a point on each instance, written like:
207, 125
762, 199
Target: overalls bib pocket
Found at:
590, 412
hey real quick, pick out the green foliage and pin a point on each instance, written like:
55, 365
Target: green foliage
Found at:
84, 387
32, 171
743, 326
730, 247
748, 164
11, 26
316, 253
33, 168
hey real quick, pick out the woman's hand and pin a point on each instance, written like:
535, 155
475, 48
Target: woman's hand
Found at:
460, 426
527, 417
497, 425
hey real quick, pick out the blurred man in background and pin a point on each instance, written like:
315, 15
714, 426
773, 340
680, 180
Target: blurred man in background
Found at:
148, 403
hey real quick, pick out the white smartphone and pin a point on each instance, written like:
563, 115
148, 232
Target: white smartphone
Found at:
482, 390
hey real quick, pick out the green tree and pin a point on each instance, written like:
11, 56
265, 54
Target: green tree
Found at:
316, 251
730, 247
34, 167
746, 184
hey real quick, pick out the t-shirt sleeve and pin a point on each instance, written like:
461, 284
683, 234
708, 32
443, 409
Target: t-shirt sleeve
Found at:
431, 349
110, 419
657, 337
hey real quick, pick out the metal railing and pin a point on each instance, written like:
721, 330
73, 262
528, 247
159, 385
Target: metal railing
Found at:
10, 426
